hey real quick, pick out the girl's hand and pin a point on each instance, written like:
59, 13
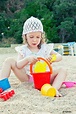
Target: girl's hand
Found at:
32, 59
49, 59
52, 58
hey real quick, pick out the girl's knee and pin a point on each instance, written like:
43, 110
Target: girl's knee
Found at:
9, 61
63, 71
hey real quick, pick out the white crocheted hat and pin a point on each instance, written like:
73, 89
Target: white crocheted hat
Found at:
32, 25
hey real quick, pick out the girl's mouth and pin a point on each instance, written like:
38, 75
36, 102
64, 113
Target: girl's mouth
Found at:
34, 44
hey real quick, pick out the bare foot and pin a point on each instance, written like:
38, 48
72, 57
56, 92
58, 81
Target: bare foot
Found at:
58, 94
63, 86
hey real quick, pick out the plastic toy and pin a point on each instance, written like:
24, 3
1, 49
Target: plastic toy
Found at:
53, 58
48, 90
6, 95
41, 78
4, 84
1, 90
69, 84
40, 67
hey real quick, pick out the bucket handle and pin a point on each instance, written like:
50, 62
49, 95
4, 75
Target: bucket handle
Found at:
40, 58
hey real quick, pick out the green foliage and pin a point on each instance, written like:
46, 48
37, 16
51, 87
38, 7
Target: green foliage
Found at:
3, 25
65, 12
7, 42
58, 18
66, 30
39, 10
2, 4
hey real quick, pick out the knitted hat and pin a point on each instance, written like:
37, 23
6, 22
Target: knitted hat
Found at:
32, 25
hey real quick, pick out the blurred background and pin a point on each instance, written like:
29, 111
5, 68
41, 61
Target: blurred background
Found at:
58, 18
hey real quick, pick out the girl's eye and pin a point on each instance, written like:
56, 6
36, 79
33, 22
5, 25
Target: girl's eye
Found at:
31, 37
38, 37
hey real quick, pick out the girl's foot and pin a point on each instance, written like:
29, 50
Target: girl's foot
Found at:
58, 94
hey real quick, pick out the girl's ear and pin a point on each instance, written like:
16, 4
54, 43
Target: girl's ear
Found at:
23, 36
24, 39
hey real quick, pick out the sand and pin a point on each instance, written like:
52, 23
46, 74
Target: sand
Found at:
28, 100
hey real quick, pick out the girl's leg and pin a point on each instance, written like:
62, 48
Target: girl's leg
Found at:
57, 78
10, 64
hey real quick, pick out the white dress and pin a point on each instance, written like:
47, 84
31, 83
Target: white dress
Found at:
44, 52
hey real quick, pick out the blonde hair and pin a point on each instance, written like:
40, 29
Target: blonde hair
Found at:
43, 39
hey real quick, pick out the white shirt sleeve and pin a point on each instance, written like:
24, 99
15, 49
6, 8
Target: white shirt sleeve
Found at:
20, 50
47, 49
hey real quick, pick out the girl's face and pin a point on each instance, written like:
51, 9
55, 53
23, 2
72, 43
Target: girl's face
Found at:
33, 39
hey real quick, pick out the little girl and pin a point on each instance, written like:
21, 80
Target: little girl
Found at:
34, 47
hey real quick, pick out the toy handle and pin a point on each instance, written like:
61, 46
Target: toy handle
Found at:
40, 58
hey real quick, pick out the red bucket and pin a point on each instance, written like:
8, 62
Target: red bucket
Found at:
41, 78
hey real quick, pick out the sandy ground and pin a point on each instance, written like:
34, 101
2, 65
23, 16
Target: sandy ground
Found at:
28, 100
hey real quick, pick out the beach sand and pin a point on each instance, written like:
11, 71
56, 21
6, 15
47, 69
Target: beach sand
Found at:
28, 100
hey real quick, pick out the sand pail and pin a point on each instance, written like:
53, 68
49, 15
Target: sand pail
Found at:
41, 78
4, 84
48, 90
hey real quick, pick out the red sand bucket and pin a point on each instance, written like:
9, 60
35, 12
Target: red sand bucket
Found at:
41, 78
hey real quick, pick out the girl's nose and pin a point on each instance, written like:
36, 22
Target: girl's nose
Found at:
34, 39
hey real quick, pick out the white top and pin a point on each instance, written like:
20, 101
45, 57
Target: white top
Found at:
44, 52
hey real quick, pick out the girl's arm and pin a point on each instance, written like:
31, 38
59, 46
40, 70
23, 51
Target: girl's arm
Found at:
22, 62
58, 56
